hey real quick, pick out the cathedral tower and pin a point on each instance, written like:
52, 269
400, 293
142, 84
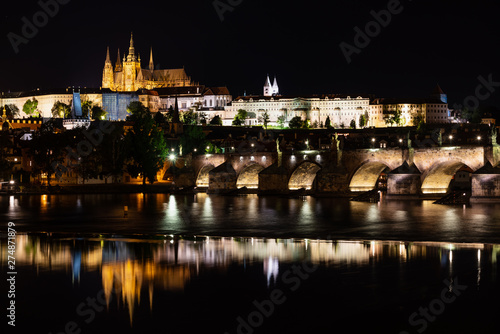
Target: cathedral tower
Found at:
271, 90
107, 75
130, 67
275, 89
267, 87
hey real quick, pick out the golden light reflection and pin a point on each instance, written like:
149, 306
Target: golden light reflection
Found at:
127, 266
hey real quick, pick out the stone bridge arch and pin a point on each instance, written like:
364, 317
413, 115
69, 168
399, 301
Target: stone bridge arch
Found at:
436, 180
202, 179
249, 176
304, 175
365, 177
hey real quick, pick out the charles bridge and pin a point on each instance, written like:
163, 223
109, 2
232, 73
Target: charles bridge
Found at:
411, 172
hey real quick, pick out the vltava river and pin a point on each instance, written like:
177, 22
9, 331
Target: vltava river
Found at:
253, 216
211, 264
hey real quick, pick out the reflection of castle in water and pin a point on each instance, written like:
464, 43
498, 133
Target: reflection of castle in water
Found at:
130, 266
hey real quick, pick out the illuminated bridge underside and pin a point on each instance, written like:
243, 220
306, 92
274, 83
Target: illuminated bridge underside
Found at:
438, 178
202, 180
303, 176
366, 176
249, 177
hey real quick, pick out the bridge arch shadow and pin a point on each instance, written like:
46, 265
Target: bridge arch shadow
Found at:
249, 176
437, 179
303, 176
366, 176
202, 180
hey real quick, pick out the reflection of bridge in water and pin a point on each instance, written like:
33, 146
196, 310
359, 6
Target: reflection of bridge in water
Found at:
410, 171
129, 266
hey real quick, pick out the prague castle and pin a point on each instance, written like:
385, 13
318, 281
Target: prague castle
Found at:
128, 76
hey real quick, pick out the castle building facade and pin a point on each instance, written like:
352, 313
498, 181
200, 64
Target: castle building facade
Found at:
128, 76
340, 109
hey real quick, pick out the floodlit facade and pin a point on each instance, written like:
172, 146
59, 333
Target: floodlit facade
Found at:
47, 98
128, 76
340, 108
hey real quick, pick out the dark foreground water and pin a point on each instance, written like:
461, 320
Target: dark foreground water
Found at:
210, 264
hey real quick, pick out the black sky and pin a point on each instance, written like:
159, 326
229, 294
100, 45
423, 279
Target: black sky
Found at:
429, 42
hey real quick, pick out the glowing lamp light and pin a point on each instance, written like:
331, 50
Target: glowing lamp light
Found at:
172, 157
478, 137
11, 181
373, 139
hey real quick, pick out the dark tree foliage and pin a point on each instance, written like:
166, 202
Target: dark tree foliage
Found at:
146, 145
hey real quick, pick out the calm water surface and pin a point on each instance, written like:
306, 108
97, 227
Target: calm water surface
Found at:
253, 216
210, 264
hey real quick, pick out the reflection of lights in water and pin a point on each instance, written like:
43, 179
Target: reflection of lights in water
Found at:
170, 268
478, 267
271, 269
306, 212
12, 201
140, 201
373, 213
43, 201
172, 214
207, 207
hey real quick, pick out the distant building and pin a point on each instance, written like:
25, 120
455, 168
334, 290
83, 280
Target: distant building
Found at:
271, 90
128, 75
115, 104
209, 100
341, 109
76, 119
47, 98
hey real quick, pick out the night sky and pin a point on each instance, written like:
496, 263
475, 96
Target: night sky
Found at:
428, 42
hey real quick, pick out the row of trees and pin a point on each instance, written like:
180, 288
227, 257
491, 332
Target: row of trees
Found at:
294, 123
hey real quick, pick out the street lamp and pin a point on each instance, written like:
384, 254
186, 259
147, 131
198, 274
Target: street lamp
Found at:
451, 137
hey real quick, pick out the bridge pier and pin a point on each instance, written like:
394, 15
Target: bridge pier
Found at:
273, 180
331, 180
404, 181
486, 184
222, 179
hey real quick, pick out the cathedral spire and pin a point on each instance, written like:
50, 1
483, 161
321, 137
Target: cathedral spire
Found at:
151, 64
275, 89
131, 49
108, 59
267, 87
118, 66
